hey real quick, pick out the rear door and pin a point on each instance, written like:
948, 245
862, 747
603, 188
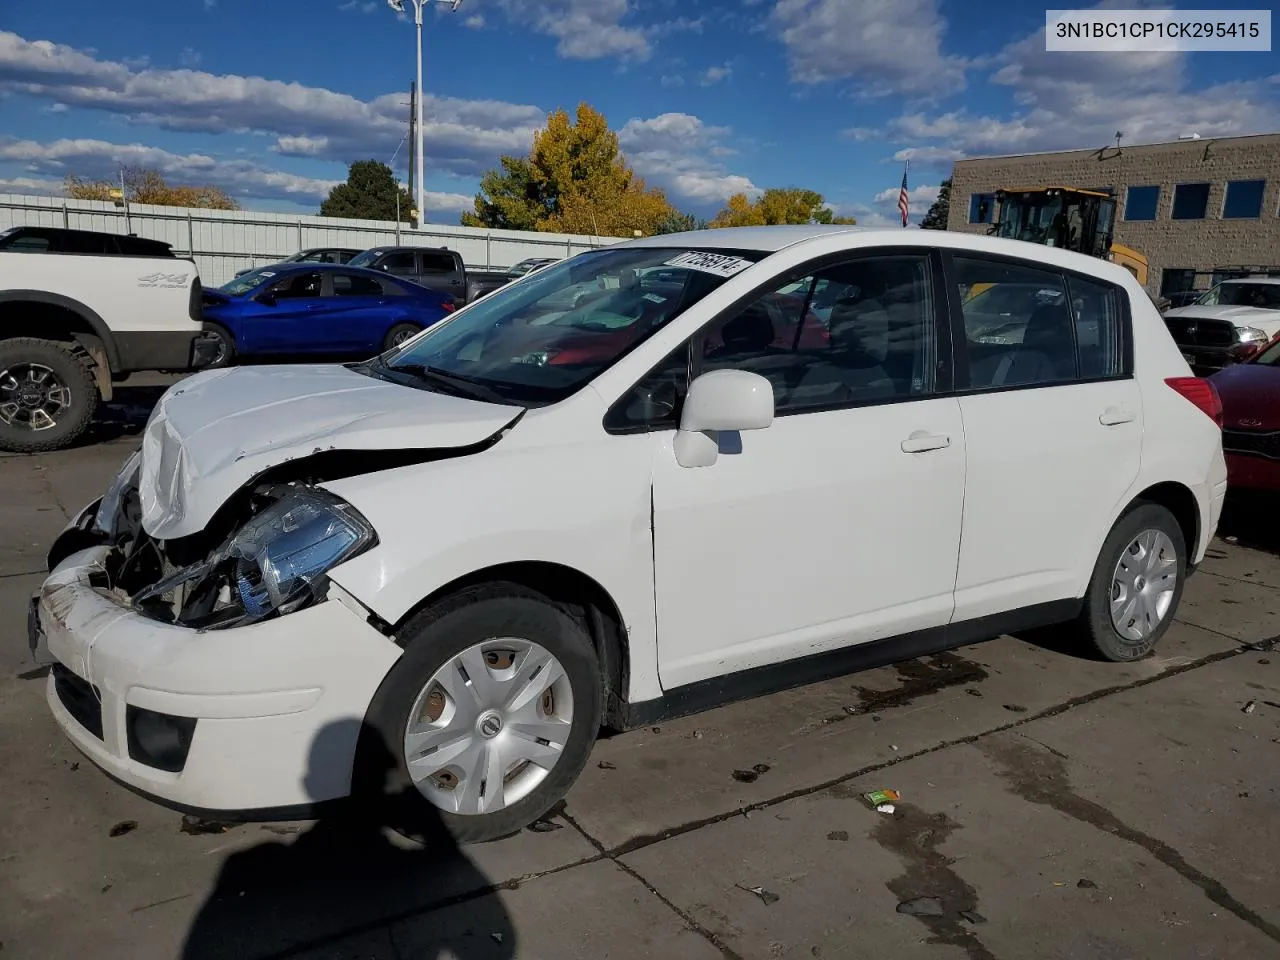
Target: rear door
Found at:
1052, 425
354, 317
442, 270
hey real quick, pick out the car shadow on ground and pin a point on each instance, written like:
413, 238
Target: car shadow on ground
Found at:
124, 416
1251, 518
338, 886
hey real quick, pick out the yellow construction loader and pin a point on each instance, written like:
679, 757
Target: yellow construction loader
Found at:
1067, 217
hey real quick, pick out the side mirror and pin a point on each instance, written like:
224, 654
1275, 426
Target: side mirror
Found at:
267, 299
722, 401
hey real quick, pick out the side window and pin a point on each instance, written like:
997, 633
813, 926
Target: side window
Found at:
1096, 307
348, 285
654, 402
28, 244
298, 287
400, 261
316, 256
1018, 328
438, 263
860, 332
344, 256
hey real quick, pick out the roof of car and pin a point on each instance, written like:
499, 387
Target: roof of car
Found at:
1252, 280
775, 238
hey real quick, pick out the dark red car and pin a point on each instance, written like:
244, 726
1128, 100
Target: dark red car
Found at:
1250, 393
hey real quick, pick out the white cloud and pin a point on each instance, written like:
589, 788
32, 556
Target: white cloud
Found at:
189, 57
671, 80
31, 185
679, 152
1080, 100
98, 159
928, 156
916, 196
714, 75
463, 137
585, 29
861, 133
474, 22
882, 46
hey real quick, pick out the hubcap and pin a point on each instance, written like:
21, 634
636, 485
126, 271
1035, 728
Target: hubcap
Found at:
1143, 584
401, 337
32, 397
489, 726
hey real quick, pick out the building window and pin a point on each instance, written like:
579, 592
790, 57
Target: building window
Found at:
982, 207
1176, 280
1243, 200
1141, 203
1190, 201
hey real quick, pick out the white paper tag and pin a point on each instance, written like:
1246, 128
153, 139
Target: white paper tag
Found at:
654, 298
719, 264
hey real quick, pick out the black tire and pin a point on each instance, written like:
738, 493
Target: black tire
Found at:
18, 432
381, 780
1098, 632
398, 335
227, 355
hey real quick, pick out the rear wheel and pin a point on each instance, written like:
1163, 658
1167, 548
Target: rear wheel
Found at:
398, 335
226, 346
47, 394
1136, 584
486, 720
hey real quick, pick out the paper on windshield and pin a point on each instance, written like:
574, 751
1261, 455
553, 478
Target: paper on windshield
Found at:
719, 264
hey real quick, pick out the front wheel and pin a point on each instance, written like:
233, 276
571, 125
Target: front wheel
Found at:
47, 395
486, 720
1136, 585
398, 335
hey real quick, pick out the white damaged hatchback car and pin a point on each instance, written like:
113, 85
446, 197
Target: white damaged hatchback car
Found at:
650, 478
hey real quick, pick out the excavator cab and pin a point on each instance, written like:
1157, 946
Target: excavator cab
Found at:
1066, 217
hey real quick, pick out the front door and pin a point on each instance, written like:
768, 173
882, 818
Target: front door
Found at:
1053, 429
840, 523
282, 324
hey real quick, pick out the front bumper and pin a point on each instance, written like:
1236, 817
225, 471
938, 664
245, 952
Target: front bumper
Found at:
278, 705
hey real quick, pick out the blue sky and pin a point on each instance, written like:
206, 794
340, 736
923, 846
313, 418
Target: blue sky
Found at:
270, 99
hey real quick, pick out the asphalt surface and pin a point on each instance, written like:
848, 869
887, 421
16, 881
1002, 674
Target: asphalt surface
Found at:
1051, 807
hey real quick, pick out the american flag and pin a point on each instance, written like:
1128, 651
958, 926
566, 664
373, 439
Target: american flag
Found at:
903, 205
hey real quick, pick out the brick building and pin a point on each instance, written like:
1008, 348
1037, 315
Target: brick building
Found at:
1190, 206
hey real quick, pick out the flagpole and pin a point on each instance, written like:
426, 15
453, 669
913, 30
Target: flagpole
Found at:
906, 168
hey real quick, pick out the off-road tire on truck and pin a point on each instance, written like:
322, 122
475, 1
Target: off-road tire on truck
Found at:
48, 394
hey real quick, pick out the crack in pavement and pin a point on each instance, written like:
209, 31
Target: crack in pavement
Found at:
1041, 778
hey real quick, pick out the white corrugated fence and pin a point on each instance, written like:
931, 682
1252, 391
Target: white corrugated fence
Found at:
224, 241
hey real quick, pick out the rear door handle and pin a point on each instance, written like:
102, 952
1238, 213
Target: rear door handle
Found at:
921, 442
1113, 416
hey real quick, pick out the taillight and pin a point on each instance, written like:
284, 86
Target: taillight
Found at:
449, 306
1200, 392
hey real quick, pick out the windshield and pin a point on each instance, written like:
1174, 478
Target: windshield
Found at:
1239, 294
545, 336
249, 281
1270, 357
364, 259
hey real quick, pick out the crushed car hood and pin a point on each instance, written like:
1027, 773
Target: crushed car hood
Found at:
214, 432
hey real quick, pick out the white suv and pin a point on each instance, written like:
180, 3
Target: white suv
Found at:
745, 459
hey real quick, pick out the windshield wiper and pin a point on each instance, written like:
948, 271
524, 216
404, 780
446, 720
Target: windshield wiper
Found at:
455, 383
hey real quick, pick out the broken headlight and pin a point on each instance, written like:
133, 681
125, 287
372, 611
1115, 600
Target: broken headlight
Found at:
274, 564
285, 549
108, 515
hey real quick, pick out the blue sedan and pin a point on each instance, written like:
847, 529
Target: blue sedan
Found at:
318, 309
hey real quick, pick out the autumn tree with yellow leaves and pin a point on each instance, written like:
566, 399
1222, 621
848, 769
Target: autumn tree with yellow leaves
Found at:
777, 206
574, 180
145, 185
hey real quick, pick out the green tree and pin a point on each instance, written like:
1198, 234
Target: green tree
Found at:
368, 194
936, 218
574, 180
678, 222
777, 206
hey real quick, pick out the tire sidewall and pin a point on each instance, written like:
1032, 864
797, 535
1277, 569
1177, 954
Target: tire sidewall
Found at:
430, 640
74, 374
228, 343
388, 341
1110, 644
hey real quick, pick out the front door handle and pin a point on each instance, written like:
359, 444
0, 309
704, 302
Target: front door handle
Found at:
922, 442
1113, 416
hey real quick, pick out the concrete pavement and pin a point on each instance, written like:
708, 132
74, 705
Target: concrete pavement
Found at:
1054, 807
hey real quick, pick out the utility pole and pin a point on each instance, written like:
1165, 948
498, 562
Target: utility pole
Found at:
413, 151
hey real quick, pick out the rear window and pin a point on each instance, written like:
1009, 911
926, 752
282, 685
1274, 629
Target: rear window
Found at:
438, 263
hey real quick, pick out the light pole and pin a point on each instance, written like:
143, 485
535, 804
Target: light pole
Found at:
398, 7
